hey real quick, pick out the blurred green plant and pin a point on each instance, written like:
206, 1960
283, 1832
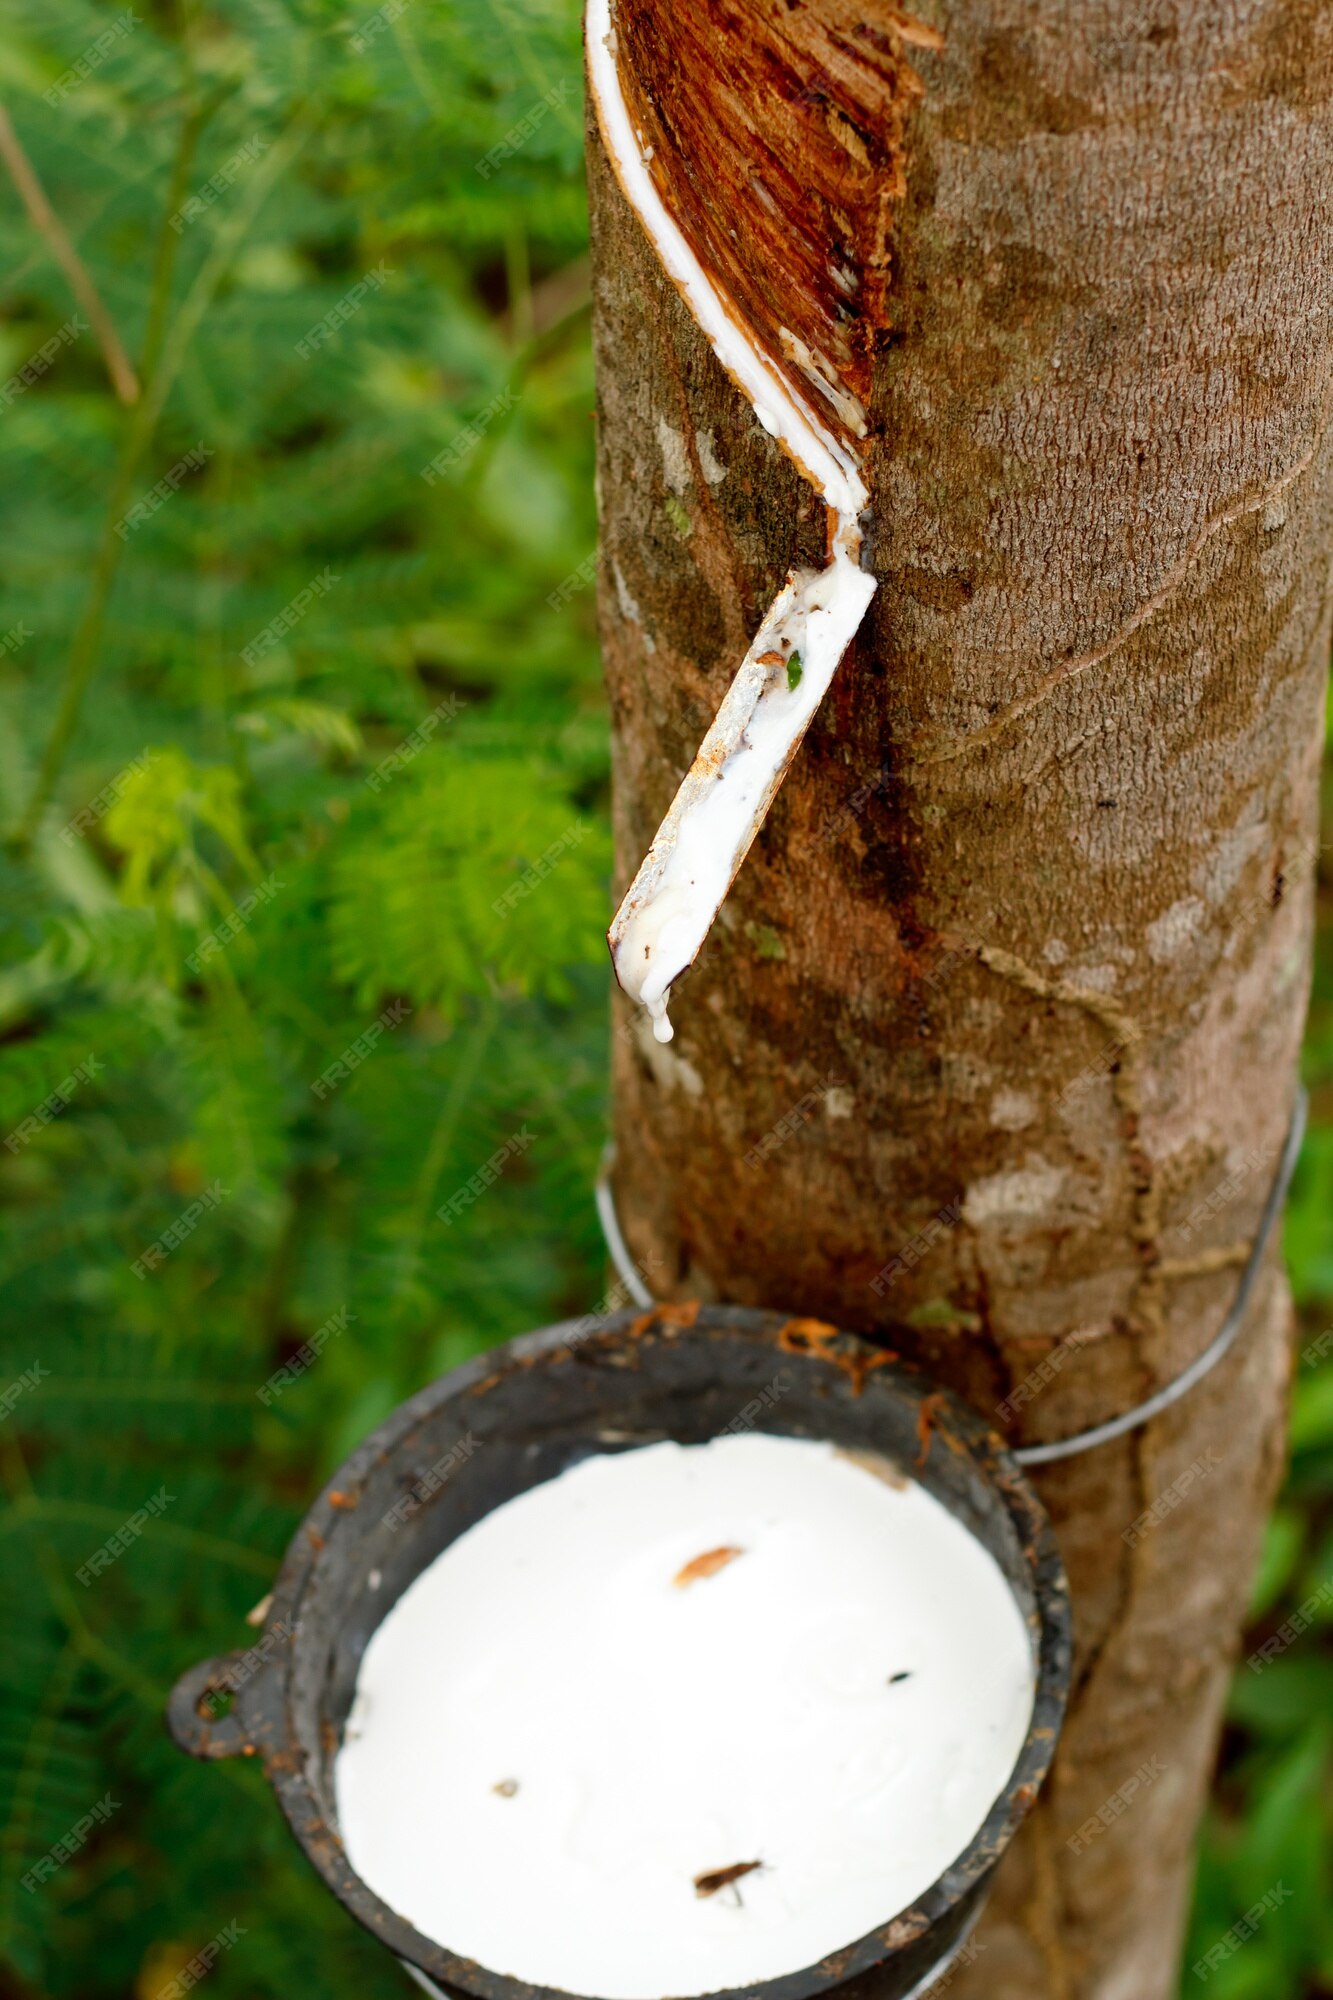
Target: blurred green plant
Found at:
290, 734
294, 737
1271, 1821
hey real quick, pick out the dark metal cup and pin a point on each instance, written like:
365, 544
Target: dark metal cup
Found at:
520, 1415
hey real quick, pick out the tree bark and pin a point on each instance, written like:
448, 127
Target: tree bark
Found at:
993, 1049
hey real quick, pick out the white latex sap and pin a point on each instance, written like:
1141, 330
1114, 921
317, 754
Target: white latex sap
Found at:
569, 1719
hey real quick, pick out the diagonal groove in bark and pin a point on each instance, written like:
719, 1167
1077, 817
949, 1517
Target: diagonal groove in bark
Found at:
946, 750
724, 798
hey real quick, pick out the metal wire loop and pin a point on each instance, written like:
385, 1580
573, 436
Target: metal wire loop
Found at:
1128, 1420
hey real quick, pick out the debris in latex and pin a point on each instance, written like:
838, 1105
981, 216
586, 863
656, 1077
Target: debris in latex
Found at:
707, 1564
714, 1879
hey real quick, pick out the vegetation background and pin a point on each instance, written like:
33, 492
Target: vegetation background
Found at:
330, 285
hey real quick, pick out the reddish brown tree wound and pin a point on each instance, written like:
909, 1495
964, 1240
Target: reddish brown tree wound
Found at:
777, 138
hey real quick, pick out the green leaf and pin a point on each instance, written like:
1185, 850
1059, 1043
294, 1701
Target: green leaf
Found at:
472, 877
319, 722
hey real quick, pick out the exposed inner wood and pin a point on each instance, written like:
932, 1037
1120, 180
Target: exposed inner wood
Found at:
777, 136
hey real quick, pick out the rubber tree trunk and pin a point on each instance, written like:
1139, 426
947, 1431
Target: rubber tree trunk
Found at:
994, 1047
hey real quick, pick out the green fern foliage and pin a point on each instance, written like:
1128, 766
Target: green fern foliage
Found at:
291, 744
475, 876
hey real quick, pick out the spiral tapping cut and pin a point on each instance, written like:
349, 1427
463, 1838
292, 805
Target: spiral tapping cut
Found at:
724, 798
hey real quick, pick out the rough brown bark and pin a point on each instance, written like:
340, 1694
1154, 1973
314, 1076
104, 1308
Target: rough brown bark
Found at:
1021, 957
